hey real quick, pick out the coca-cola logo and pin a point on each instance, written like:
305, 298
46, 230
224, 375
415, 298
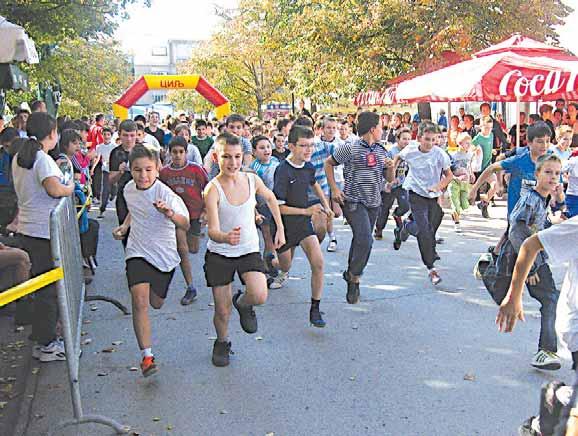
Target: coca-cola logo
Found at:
375, 98
537, 84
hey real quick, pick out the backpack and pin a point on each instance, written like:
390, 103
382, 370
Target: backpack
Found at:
497, 275
8, 198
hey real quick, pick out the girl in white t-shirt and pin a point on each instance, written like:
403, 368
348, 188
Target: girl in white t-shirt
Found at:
38, 183
154, 209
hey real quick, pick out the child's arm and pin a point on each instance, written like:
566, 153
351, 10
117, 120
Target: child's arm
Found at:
336, 193
271, 200
181, 221
444, 182
491, 169
319, 193
119, 232
213, 224
390, 175
511, 310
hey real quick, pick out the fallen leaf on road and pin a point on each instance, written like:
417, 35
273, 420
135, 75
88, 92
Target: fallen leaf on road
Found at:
93, 308
102, 374
117, 343
6, 389
352, 378
83, 333
354, 326
86, 321
270, 434
133, 368
109, 350
20, 328
470, 377
223, 412
259, 338
35, 370
87, 341
169, 427
211, 304
171, 318
3, 404
156, 419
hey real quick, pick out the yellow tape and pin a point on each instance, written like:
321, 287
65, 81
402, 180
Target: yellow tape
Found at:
120, 112
174, 81
223, 110
30, 286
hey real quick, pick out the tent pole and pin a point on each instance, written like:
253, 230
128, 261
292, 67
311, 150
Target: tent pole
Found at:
517, 121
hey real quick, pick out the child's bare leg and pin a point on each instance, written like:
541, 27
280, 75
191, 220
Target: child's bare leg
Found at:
267, 238
255, 289
319, 221
193, 243
285, 260
222, 296
183, 249
140, 317
313, 252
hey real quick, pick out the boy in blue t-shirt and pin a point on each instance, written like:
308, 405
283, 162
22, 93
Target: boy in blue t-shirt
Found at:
293, 178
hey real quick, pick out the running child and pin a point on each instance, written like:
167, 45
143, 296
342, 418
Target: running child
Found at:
233, 245
188, 180
463, 177
265, 165
570, 168
280, 152
103, 152
293, 179
529, 217
429, 174
485, 140
155, 211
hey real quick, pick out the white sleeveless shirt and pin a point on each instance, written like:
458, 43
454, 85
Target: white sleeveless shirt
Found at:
231, 216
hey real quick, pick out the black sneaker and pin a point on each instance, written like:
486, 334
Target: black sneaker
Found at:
378, 234
315, 317
353, 293
190, 296
221, 352
246, 315
396, 238
526, 429
483, 206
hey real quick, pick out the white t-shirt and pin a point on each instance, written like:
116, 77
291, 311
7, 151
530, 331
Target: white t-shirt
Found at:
193, 154
152, 141
152, 235
34, 203
103, 150
571, 167
425, 169
560, 242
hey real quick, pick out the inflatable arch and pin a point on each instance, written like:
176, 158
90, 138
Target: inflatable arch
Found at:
193, 81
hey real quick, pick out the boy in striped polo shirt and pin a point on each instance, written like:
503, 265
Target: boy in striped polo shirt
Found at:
365, 163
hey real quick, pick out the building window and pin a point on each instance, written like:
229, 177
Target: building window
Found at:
159, 51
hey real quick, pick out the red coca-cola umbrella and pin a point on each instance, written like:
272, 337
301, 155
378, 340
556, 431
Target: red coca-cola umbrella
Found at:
518, 69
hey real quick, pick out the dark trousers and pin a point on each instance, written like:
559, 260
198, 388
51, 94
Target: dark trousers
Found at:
105, 191
427, 215
45, 299
547, 294
387, 199
121, 212
97, 181
362, 220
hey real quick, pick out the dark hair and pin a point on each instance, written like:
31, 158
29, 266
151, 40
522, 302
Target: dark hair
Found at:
560, 100
366, 121
486, 105
154, 112
282, 123
82, 125
7, 136
107, 129
84, 119
22, 111
66, 137
200, 123
298, 132
258, 138
127, 126
469, 117
538, 130
178, 141
559, 111
535, 117
402, 131
38, 127
140, 151
227, 138
545, 108
427, 127
140, 126
99, 117
140, 118
182, 126
303, 121
36, 105
235, 118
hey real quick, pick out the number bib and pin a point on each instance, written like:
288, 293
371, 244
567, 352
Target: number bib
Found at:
371, 160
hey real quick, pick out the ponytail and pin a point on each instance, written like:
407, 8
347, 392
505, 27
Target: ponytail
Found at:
38, 127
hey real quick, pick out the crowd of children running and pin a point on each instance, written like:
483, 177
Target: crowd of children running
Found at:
287, 178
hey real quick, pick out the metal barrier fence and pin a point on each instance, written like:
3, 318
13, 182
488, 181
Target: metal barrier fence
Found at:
67, 254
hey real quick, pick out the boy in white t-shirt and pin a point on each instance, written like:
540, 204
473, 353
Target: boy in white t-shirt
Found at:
103, 155
154, 209
428, 176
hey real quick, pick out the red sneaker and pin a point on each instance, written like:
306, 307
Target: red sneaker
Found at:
148, 366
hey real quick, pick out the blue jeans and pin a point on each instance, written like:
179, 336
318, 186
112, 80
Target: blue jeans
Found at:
547, 294
572, 205
427, 215
362, 220
387, 199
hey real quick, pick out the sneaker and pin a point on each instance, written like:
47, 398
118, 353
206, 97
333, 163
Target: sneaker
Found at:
457, 228
353, 293
483, 206
434, 277
49, 353
437, 257
100, 215
279, 281
190, 296
221, 352
403, 233
95, 201
396, 238
547, 360
315, 317
271, 270
246, 315
378, 234
332, 246
148, 366
440, 240
530, 427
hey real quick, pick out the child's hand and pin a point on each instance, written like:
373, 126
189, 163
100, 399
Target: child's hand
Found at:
435, 188
123, 166
203, 218
234, 236
329, 212
509, 313
259, 219
338, 196
119, 232
533, 280
558, 191
388, 163
312, 210
162, 207
279, 238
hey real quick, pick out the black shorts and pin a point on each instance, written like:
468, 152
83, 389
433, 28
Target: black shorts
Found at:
138, 270
195, 228
220, 270
294, 234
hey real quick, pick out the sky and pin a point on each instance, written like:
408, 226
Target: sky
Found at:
196, 20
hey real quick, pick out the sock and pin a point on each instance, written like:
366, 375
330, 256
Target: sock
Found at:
147, 352
315, 303
332, 236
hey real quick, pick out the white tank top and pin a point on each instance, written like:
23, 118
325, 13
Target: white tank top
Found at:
231, 216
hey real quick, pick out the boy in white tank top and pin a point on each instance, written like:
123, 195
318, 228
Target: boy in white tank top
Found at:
233, 245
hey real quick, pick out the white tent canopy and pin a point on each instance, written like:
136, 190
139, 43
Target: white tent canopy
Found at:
15, 44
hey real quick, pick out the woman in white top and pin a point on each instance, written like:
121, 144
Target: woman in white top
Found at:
38, 183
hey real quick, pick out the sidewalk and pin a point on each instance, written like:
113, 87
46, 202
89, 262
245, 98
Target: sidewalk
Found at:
409, 359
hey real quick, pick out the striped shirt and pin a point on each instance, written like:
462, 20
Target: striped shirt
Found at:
320, 154
364, 179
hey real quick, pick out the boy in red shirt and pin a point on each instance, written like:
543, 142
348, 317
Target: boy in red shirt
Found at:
187, 180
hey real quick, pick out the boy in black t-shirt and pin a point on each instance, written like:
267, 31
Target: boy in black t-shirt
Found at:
293, 178
280, 151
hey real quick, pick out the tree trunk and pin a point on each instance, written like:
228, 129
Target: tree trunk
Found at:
259, 100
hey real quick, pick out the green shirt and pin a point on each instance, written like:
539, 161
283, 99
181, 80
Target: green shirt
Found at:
203, 144
487, 145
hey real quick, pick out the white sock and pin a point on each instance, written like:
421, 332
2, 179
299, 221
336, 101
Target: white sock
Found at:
332, 236
147, 352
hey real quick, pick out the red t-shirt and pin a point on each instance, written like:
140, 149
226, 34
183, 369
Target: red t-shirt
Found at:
188, 183
95, 136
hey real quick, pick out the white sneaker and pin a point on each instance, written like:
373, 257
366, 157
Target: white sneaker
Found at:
279, 281
332, 247
457, 227
547, 360
49, 353
434, 277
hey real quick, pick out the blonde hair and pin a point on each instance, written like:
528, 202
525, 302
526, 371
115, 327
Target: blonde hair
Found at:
486, 120
562, 130
547, 158
462, 137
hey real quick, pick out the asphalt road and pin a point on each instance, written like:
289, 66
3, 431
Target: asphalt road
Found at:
410, 359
